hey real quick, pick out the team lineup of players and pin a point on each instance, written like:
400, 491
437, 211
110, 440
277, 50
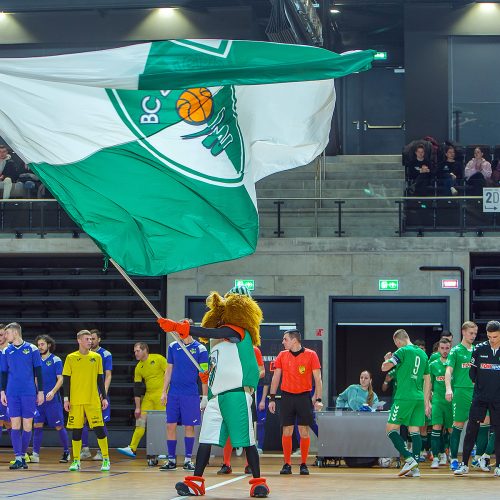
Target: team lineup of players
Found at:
456, 385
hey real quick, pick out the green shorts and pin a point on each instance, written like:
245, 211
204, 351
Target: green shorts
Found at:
442, 413
462, 399
228, 415
409, 413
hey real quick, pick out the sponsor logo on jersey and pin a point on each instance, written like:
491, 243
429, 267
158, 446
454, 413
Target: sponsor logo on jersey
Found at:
302, 369
152, 363
465, 365
48, 363
92, 360
26, 351
440, 378
489, 366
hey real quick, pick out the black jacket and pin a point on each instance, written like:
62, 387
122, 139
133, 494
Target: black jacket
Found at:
485, 373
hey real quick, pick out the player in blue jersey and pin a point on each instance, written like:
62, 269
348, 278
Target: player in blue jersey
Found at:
4, 416
51, 411
21, 363
107, 366
183, 399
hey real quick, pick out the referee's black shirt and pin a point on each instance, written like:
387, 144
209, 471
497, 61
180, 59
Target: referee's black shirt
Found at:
485, 372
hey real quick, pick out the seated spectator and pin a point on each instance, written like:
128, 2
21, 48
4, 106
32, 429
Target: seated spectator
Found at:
419, 172
477, 173
448, 172
495, 174
359, 396
9, 172
30, 181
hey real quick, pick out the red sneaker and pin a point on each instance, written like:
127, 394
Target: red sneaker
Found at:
191, 486
258, 487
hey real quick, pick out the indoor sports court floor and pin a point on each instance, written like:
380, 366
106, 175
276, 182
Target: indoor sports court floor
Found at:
132, 479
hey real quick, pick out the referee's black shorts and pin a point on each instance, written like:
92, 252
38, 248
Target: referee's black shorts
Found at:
479, 409
296, 408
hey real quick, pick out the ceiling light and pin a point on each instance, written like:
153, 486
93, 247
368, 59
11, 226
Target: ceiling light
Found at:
166, 11
335, 11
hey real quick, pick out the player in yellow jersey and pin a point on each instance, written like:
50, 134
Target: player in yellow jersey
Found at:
83, 381
149, 373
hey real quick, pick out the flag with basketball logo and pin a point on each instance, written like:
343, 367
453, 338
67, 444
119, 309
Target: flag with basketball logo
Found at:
154, 149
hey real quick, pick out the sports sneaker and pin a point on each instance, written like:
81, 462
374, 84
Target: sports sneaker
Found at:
65, 458
410, 463
258, 487
169, 465
16, 464
461, 470
423, 456
75, 465
127, 451
413, 473
435, 464
304, 471
188, 465
98, 455
23, 461
248, 469
225, 469
443, 459
191, 486
239, 451
454, 464
85, 453
475, 463
260, 451
35, 458
286, 469
484, 464
497, 472
106, 465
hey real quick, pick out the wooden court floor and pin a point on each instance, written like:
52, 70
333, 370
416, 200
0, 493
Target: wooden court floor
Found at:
133, 479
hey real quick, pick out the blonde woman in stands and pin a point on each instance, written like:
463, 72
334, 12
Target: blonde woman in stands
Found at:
477, 173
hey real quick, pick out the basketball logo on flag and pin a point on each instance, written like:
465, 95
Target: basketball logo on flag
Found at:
195, 106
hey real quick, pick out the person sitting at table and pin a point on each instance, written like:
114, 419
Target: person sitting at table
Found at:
358, 396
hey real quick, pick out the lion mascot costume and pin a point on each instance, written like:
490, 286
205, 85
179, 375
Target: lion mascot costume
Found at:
232, 325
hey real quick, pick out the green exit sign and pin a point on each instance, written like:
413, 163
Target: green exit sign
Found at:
380, 56
250, 284
388, 285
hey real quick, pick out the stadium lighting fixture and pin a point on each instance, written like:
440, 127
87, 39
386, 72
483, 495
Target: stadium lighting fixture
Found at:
334, 11
166, 11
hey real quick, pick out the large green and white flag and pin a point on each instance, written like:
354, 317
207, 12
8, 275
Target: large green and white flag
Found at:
155, 149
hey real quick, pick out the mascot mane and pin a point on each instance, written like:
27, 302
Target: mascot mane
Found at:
234, 309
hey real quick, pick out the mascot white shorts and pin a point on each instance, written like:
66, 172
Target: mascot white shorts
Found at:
228, 414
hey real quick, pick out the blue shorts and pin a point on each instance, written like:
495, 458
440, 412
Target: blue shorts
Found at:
21, 406
50, 413
183, 410
4, 413
106, 414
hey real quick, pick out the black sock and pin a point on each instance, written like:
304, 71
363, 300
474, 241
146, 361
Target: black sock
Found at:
470, 440
253, 460
202, 458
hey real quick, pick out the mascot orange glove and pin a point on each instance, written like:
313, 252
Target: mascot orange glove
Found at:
180, 327
203, 377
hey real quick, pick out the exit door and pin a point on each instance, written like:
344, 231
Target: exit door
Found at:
373, 112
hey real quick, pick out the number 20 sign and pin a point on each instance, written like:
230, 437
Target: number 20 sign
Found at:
491, 199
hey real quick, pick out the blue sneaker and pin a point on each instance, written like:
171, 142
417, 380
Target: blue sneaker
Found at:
454, 464
128, 452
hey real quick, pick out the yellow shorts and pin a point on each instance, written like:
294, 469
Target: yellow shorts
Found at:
77, 414
151, 402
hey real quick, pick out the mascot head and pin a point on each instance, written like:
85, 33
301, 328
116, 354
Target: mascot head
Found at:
236, 308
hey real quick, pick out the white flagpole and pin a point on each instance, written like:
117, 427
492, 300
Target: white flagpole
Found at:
154, 311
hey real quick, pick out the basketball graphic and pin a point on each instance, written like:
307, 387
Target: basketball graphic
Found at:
195, 106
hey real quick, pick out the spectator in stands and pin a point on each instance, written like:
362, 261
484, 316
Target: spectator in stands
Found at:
495, 174
419, 172
7, 172
359, 396
448, 172
30, 181
477, 173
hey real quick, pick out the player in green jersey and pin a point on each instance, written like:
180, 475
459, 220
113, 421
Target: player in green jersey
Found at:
409, 405
459, 386
442, 411
435, 353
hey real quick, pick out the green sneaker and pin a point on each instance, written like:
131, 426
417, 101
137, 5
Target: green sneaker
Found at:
75, 465
106, 465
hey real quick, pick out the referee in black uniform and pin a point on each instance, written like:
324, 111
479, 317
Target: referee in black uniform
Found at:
485, 373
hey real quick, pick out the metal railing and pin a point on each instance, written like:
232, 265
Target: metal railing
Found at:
319, 215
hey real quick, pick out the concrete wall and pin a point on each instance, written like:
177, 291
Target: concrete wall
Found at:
313, 268
427, 32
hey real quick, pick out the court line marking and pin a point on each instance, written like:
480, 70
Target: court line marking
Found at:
218, 485
32, 477
64, 485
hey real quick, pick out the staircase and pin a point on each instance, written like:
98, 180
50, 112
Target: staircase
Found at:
315, 188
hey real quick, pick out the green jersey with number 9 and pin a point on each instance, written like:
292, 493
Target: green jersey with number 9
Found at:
412, 366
